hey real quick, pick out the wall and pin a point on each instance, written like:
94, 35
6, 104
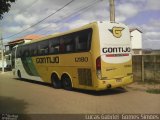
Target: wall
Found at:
146, 68
5, 64
136, 39
26, 41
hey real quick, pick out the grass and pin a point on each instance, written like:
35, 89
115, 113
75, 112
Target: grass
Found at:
153, 91
149, 82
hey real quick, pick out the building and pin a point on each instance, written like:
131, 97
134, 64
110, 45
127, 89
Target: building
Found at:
10, 45
136, 41
5, 64
22, 40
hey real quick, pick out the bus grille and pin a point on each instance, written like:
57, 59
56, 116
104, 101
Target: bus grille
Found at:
84, 76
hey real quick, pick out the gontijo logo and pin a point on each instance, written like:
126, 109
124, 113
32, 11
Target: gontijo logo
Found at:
116, 31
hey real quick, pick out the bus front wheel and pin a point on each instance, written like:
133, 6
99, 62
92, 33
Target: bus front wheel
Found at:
66, 82
19, 74
56, 83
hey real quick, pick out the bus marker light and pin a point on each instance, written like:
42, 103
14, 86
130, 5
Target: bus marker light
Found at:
104, 82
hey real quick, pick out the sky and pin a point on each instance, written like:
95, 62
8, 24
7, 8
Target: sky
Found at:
142, 14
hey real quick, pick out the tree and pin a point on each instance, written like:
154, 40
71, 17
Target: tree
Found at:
5, 6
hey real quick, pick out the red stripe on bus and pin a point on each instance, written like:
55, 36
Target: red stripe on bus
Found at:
116, 55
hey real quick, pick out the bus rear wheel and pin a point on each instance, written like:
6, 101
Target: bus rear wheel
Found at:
66, 82
56, 83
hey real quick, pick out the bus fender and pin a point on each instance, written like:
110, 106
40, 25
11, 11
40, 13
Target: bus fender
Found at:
54, 72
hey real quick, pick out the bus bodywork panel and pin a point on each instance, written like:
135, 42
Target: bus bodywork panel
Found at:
60, 64
115, 56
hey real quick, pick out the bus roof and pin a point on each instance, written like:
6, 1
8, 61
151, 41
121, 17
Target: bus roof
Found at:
63, 33
89, 25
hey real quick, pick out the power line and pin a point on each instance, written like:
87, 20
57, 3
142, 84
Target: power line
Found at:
82, 9
41, 20
73, 15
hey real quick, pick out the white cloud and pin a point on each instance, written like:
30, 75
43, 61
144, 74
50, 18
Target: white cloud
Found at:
151, 30
76, 24
151, 33
151, 40
120, 18
127, 9
48, 24
155, 23
14, 29
152, 36
153, 5
22, 19
25, 13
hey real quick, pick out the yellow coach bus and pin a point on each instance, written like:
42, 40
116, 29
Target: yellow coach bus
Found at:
96, 56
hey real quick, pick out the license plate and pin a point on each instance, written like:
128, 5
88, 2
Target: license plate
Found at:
118, 80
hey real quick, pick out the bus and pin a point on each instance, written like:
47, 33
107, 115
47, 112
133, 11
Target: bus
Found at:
96, 56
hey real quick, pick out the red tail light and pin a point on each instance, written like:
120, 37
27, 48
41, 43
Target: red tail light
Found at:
98, 63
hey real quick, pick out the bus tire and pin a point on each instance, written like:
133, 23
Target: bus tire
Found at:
66, 82
56, 83
19, 74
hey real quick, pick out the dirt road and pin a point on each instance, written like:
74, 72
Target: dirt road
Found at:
18, 96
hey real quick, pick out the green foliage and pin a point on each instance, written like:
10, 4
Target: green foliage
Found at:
5, 6
154, 91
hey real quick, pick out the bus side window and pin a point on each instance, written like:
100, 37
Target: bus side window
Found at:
62, 46
27, 53
33, 49
38, 50
18, 54
13, 58
43, 48
67, 44
70, 43
69, 48
54, 49
54, 46
23, 52
35, 52
80, 45
83, 40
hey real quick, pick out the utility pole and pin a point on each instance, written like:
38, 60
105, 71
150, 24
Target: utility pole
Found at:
2, 52
112, 10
